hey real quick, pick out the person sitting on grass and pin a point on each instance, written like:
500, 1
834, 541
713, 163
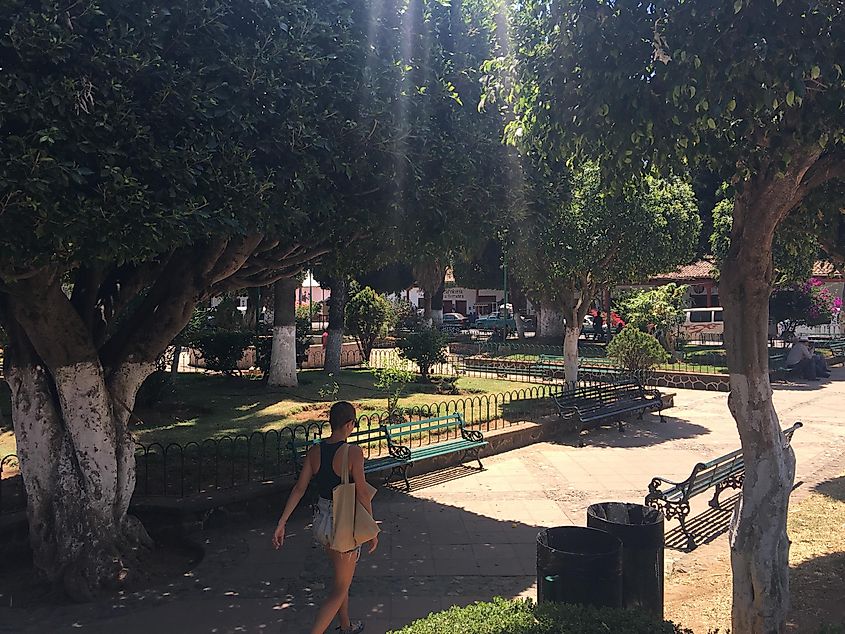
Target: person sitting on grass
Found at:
323, 463
805, 362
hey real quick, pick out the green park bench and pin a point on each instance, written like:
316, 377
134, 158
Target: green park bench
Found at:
837, 348
469, 442
724, 472
393, 461
590, 406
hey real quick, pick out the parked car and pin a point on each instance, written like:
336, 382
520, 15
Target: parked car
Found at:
493, 320
454, 321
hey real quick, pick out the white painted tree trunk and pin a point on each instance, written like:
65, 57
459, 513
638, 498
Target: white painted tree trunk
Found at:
520, 325
758, 539
283, 357
283, 351
570, 355
437, 316
77, 462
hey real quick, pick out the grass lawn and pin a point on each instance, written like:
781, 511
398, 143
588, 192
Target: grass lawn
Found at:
207, 406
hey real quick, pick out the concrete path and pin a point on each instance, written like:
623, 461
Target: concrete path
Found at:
460, 535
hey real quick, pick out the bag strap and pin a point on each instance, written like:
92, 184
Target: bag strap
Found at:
344, 464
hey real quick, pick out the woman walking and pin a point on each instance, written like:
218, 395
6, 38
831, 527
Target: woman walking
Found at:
324, 462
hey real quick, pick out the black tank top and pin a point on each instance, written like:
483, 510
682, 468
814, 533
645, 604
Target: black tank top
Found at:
326, 478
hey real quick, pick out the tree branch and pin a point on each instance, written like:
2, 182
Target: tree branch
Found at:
829, 167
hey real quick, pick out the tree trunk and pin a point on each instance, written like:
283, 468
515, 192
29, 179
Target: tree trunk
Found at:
174, 363
550, 322
437, 306
78, 465
520, 325
758, 538
570, 355
429, 275
283, 352
253, 308
337, 309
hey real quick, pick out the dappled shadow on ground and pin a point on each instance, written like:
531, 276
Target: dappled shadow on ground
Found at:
431, 556
637, 433
434, 478
816, 588
704, 527
833, 488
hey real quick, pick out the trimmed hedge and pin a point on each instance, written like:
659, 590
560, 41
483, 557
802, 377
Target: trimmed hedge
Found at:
523, 617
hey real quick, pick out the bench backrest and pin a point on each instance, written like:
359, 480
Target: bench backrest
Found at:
370, 440
708, 474
602, 394
437, 425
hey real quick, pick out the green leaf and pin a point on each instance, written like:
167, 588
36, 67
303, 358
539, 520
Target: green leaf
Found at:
711, 123
790, 97
815, 72
737, 6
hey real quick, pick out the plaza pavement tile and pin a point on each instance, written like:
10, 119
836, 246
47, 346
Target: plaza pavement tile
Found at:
466, 535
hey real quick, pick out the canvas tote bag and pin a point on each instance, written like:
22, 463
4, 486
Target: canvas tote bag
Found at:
352, 525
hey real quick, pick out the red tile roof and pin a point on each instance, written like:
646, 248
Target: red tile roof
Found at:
701, 270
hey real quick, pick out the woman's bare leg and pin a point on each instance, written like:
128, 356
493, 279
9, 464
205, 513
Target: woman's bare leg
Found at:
338, 599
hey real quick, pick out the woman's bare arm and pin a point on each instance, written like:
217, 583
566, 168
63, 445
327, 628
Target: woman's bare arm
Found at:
296, 494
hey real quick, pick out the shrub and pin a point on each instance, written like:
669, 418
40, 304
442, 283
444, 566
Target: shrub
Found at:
659, 311
391, 379
425, 347
222, 350
636, 350
522, 617
368, 315
156, 389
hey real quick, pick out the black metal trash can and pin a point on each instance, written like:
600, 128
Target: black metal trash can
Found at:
579, 565
640, 529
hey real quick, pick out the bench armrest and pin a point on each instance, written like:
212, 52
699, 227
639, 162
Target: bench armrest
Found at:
657, 482
787, 433
399, 452
472, 435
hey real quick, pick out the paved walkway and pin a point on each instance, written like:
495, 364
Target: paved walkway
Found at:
460, 535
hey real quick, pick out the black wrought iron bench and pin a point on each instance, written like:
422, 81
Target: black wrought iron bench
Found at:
724, 472
590, 406
427, 435
369, 439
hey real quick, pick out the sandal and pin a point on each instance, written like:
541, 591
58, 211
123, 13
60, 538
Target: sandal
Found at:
355, 627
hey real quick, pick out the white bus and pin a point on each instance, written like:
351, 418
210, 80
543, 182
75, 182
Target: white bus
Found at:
702, 321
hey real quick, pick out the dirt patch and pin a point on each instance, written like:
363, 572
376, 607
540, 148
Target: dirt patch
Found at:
698, 588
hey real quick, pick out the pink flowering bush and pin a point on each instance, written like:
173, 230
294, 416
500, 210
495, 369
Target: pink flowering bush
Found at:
810, 303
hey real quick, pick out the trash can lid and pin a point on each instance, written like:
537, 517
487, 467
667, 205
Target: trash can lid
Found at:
625, 513
577, 540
